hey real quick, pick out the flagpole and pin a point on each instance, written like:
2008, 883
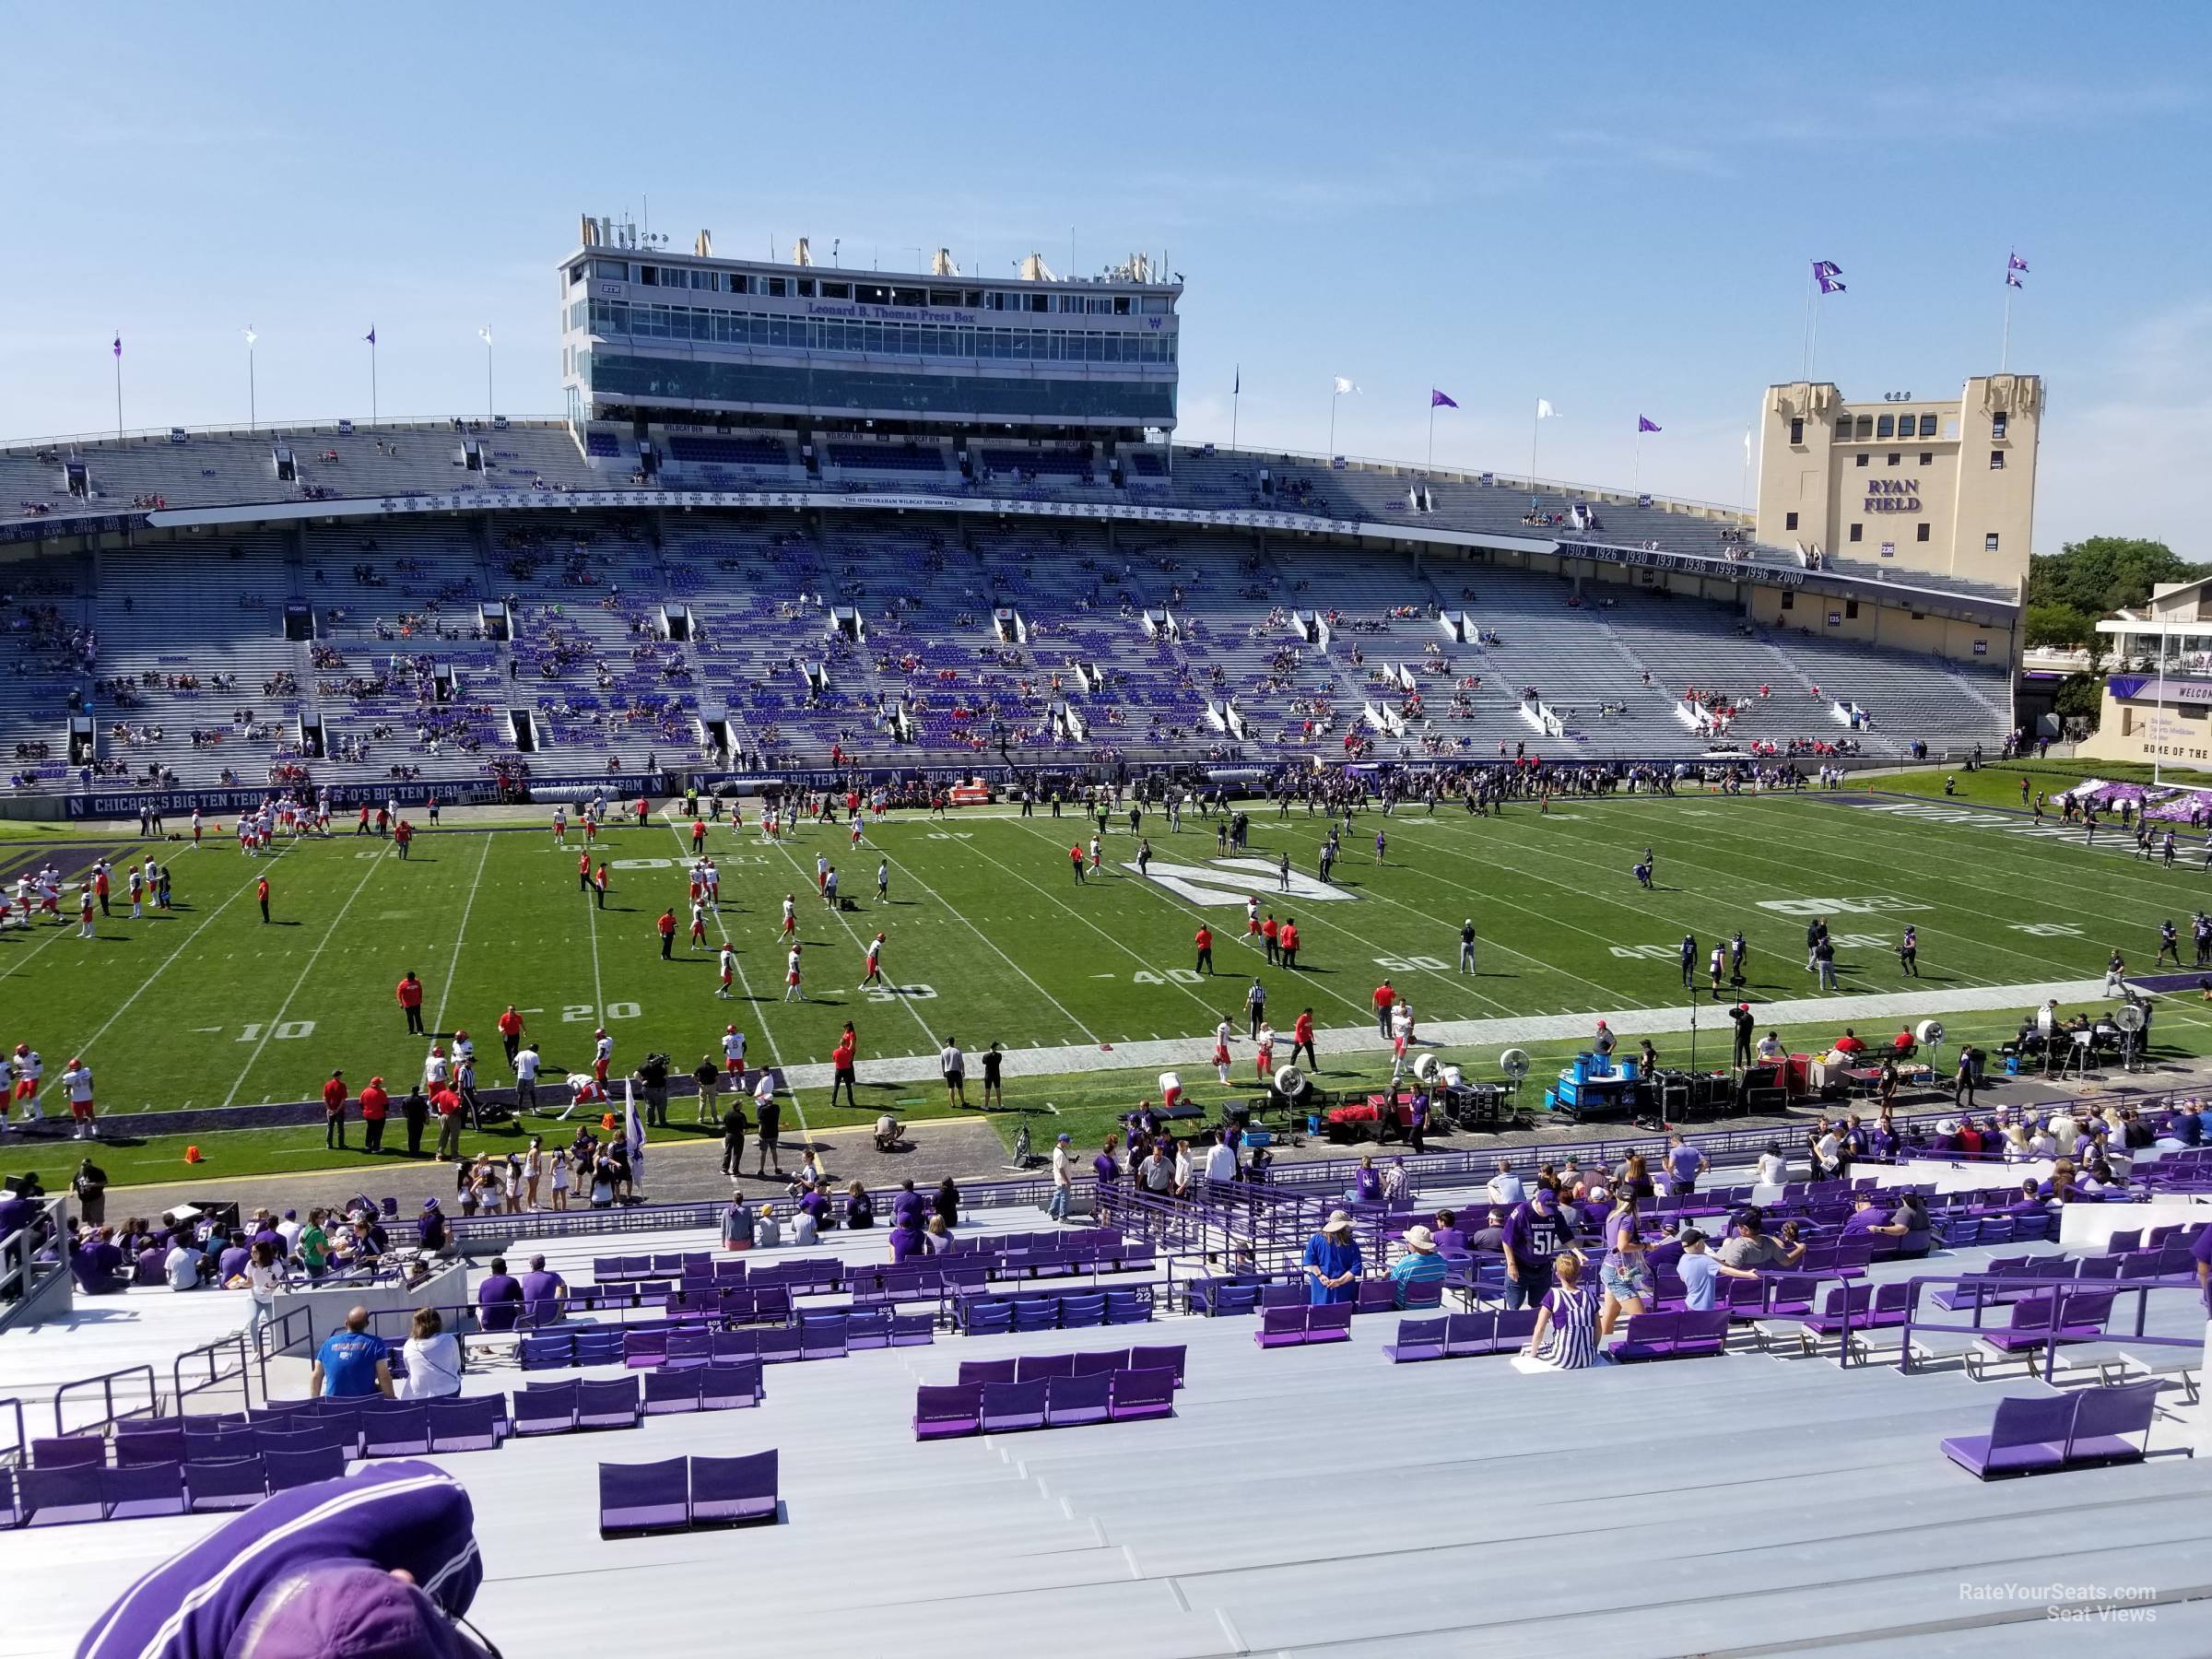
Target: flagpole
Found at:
2005, 343
1535, 427
1812, 300
1236, 397
1430, 464
372, 374
119, 385
1330, 457
1812, 342
1636, 467
1743, 493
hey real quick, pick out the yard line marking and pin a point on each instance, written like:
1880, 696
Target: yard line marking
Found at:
454, 964
909, 874
85, 1047
775, 1054
285, 1008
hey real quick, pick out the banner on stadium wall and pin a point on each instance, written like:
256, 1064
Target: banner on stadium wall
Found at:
451, 792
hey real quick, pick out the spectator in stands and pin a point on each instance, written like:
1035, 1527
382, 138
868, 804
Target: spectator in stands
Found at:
947, 1205
909, 1242
1536, 1232
1566, 1333
352, 1363
1504, 1188
499, 1298
1422, 1264
544, 1293
1448, 1238
1625, 1274
1332, 1262
738, 1224
186, 1264
1700, 1273
96, 1263
434, 1358
860, 1209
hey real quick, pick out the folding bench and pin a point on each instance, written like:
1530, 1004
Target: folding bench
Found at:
979, 1371
1281, 1327
1108, 1360
822, 1336
1468, 1335
869, 1330
641, 1348
1418, 1339
1128, 1307
2104, 1418
160, 1446
725, 1387
598, 1348
942, 1413
637, 1498
1141, 1393
728, 1490
689, 1348
779, 1342
1039, 1367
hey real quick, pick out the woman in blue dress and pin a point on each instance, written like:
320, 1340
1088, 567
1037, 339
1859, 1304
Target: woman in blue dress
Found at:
1566, 1333
1331, 1262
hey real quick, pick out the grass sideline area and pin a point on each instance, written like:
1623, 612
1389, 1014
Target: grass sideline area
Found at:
988, 938
1997, 783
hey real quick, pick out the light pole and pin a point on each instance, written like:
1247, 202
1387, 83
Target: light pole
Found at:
252, 413
486, 334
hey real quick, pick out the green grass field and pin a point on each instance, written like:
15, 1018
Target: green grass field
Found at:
989, 940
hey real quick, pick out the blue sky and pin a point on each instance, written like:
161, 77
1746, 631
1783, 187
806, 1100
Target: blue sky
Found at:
1609, 206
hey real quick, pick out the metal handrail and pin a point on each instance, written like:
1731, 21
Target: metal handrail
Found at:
18, 1452
21, 1268
2047, 1337
106, 1382
216, 1375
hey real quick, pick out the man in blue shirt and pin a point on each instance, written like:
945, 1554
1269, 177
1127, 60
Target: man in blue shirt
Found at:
352, 1363
1419, 1266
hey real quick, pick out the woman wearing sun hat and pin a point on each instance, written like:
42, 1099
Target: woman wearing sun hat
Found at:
1331, 1262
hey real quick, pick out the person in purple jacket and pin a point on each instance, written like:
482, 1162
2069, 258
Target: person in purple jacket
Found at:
383, 1561
499, 1298
1535, 1233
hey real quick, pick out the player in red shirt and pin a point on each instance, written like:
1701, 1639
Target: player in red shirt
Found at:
1204, 940
584, 873
699, 836
1384, 999
668, 927
375, 1105
1286, 943
333, 1110
599, 884
1075, 857
1270, 933
510, 1032
409, 997
841, 1067
403, 833
1301, 1037
260, 892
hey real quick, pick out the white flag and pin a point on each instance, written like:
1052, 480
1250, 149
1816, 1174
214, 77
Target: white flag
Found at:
1544, 409
1344, 385
484, 334
1747, 443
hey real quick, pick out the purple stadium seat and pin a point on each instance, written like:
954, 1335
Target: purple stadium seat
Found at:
1282, 1327
1329, 1322
653, 1497
288, 1469
2103, 1420
725, 1385
1417, 1340
726, 1490
547, 1410
396, 1429
134, 1491
779, 1342
70, 1452
913, 1330
980, 1371
672, 1390
470, 1424
610, 1404
60, 1496
1037, 1368
2027, 1436
1142, 1393
1165, 1356
940, 1413
1108, 1360
1008, 1405
1648, 1336
231, 1484
1072, 1400
164, 1445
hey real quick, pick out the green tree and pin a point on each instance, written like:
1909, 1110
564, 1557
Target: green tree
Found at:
2079, 695
2061, 625
2105, 572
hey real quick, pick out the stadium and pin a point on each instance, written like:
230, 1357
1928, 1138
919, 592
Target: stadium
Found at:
861, 669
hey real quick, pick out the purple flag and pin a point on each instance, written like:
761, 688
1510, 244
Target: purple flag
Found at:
1238, 389
118, 344
371, 335
1828, 285
1438, 400
2014, 262
1645, 423
1827, 267
2013, 281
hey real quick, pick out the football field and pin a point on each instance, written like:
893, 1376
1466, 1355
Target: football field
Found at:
989, 938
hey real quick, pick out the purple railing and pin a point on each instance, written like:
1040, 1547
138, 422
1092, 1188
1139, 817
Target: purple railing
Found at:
106, 1383
2049, 1338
